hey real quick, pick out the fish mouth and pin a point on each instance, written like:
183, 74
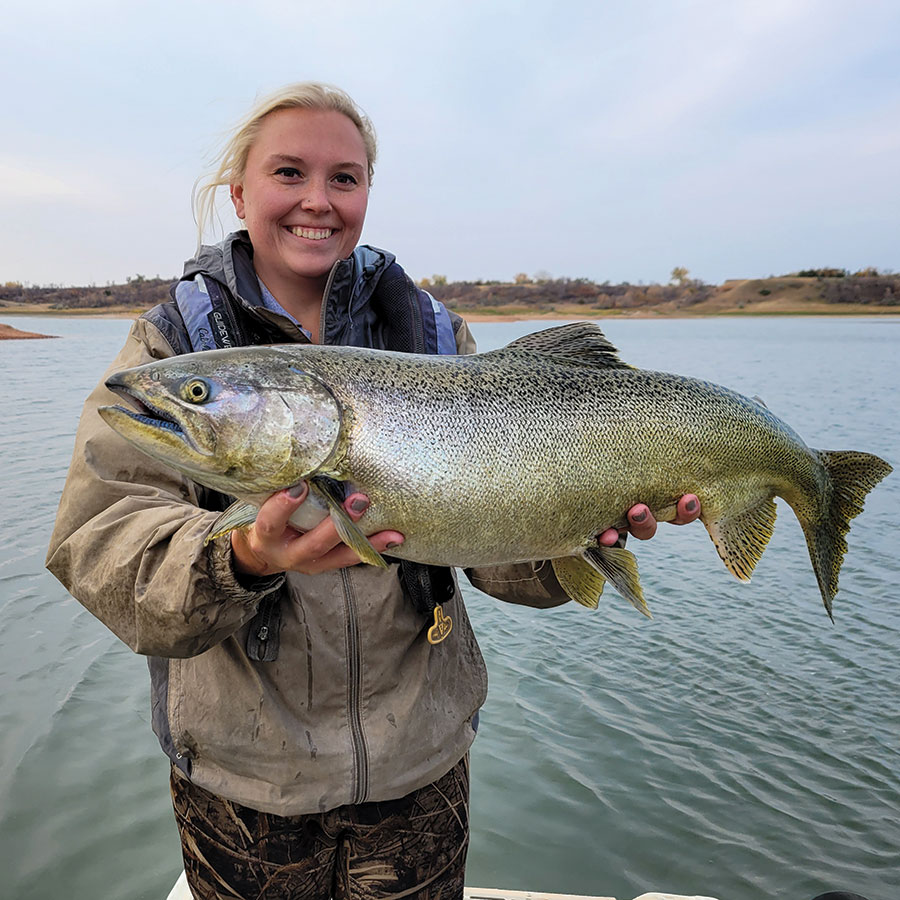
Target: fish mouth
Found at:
147, 413
143, 411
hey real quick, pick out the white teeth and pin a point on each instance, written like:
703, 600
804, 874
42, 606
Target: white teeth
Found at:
313, 234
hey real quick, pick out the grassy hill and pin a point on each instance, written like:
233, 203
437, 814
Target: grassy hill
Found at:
787, 295
804, 294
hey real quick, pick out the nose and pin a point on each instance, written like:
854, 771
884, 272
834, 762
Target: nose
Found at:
315, 197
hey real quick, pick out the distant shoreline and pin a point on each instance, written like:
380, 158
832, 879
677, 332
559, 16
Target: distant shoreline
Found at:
9, 333
517, 314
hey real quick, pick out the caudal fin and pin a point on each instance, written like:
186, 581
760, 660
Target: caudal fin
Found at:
851, 476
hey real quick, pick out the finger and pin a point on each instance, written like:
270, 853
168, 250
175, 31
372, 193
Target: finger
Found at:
641, 522
312, 545
275, 513
687, 510
321, 549
258, 549
356, 504
342, 556
608, 538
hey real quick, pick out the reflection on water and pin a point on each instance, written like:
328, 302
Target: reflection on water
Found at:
739, 744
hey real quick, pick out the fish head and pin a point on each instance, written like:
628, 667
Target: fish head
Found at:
241, 421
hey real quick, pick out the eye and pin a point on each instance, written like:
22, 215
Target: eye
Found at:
196, 390
288, 172
345, 179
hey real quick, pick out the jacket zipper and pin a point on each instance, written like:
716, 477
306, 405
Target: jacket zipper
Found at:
325, 296
354, 695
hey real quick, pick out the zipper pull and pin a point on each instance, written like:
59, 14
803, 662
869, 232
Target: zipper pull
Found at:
442, 626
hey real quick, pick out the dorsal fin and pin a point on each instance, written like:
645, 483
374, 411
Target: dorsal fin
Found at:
582, 342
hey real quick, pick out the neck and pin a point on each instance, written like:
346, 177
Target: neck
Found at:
302, 298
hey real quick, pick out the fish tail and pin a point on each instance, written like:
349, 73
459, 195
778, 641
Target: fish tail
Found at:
851, 475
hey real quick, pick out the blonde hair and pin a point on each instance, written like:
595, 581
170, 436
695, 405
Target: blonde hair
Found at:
231, 162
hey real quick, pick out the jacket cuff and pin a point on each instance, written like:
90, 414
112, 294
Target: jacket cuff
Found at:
246, 589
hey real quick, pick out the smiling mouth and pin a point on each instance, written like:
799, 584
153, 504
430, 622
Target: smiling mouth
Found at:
312, 234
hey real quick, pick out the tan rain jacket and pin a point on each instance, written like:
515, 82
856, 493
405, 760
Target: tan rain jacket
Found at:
358, 706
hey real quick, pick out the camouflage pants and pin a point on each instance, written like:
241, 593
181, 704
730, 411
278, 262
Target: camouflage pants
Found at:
412, 847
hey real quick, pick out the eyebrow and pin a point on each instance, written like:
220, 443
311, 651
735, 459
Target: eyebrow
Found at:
294, 160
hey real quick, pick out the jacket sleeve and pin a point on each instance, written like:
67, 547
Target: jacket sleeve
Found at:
129, 537
528, 584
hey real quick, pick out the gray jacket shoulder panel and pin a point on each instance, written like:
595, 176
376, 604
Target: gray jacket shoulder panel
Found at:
166, 318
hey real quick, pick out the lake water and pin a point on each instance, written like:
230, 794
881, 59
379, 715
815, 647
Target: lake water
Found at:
738, 744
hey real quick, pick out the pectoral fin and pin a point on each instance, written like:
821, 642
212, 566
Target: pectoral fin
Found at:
619, 568
579, 580
347, 529
741, 538
239, 515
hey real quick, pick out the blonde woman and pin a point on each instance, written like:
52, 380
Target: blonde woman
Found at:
318, 741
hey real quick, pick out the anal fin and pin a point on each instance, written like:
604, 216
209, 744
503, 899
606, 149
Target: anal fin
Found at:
619, 567
741, 538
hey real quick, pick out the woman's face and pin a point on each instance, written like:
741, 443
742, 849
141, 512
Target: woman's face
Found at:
303, 196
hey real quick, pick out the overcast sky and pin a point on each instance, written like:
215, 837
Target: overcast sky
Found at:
611, 140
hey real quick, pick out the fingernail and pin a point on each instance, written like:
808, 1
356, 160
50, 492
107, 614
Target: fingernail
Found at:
691, 505
296, 490
639, 517
360, 504
392, 545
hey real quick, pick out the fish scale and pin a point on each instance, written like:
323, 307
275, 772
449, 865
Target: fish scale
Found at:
520, 454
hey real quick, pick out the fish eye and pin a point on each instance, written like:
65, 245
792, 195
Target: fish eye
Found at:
196, 390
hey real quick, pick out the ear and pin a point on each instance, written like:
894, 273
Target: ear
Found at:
237, 198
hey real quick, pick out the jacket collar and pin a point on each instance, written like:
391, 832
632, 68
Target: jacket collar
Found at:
351, 282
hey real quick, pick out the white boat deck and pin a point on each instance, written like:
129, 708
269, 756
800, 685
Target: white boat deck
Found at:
181, 892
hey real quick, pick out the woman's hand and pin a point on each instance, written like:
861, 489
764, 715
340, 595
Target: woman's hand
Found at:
642, 525
271, 545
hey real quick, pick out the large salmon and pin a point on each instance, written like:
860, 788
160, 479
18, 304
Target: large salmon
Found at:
522, 453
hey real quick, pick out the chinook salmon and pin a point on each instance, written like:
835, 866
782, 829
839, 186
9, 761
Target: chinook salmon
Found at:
523, 453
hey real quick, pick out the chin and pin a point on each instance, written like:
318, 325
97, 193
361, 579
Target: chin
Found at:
318, 269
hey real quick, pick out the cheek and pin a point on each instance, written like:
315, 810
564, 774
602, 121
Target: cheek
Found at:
259, 205
355, 213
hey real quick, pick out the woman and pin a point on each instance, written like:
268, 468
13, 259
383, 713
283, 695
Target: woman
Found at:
318, 741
